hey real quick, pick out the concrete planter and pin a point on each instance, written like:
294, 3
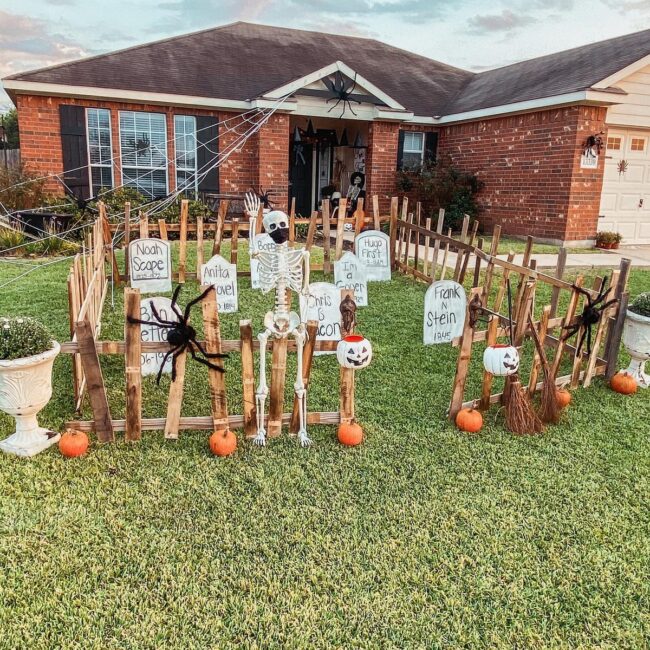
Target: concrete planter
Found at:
25, 388
636, 339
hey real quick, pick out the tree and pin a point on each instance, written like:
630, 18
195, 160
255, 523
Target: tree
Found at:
10, 123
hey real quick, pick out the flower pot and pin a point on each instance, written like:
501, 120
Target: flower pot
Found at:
25, 388
501, 360
636, 339
354, 352
608, 246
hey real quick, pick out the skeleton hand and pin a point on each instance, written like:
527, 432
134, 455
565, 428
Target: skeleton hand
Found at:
252, 204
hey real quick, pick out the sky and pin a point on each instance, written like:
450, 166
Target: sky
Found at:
471, 34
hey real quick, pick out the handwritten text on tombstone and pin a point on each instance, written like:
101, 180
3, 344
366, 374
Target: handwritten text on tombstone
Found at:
223, 277
349, 273
150, 361
150, 266
323, 305
372, 248
445, 305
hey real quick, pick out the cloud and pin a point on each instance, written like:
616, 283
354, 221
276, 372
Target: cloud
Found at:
623, 6
506, 21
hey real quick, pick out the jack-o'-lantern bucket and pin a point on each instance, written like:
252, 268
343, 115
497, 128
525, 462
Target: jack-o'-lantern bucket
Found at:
501, 360
354, 351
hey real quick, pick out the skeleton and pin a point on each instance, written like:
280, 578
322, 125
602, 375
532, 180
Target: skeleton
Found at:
281, 268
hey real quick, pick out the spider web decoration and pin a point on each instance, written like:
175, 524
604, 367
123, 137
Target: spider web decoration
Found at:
341, 89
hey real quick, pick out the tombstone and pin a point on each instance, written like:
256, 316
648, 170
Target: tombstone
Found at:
322, 305
150, 361
150, 265
261, 242
223, 277
349, 273
445, 307
372, 247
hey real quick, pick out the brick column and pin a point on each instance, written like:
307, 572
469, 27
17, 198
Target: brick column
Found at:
272, 144
381, 161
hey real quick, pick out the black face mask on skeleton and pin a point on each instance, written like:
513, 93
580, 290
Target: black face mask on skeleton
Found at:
279, 235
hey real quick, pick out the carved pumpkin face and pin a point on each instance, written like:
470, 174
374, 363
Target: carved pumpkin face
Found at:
354, 352
501, 360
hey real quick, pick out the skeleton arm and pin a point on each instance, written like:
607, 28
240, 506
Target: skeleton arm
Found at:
252, 207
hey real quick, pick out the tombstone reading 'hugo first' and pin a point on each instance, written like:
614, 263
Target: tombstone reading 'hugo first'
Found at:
373, 250
223, 277
150, 361
150, 265
445, 306
323, 305
349, 273
261, 242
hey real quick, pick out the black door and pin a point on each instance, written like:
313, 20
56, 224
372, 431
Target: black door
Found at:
301, 176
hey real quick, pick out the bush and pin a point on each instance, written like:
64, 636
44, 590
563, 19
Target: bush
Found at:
23, 337
28, 195
641, 304
608, 237
12, 239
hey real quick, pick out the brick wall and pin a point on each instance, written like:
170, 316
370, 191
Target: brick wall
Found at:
272, 148
530, 165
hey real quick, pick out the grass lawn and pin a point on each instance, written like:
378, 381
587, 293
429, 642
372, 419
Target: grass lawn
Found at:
423, 537
507, 244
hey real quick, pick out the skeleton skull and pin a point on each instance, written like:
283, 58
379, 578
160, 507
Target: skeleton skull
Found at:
276, 224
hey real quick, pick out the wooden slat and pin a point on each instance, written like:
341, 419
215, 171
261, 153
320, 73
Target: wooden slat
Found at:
359, 218
115, 269
175, 399
327, 265
568, 318
248, 378
133, 341
394, 207
144, 225
477, 266
162, 229
459, 254
543, 330
292, 222
427, 244
578, 358
182, 247
199, 247
613, 340
559, 273
443, 268
612, 348
376, 224
340, 228
218, 231
470, 244
307, 359
436, 243
346, 385
278, 376
494, 247
312, 230
488, 377
127, 237
418, 219
234, 242
216, 379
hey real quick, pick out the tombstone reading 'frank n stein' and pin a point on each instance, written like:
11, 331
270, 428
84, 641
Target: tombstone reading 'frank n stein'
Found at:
349, 273
223, 277
322, 305
373, 250
150, 361
150, 265
445, 305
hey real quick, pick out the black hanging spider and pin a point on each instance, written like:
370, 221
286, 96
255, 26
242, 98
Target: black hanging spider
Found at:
180, 335
591, 314
265, 197
593, 143
342, 91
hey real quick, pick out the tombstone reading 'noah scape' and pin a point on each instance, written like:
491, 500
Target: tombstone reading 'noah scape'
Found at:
445, 305
150, 361
373, 250
349, 273
150, 265
262, 242
322, 305
223, 277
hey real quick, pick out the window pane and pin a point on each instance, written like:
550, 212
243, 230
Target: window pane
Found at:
98, 127
613, 143
638, 144
185, 151
411, 160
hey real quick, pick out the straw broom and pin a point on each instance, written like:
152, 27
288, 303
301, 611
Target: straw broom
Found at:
549, 409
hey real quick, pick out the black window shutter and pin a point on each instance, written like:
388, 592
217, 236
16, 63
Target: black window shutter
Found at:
430, 146
72, 120
207, 152
400, 150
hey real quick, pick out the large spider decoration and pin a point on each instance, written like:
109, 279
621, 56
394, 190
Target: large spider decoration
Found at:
593, 145
591, 314
181, 335
342, 91
265, 197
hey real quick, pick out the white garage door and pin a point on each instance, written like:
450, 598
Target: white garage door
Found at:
625, 201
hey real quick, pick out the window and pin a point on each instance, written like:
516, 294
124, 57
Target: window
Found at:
143, 145
613, 143
185, 148
638, 144
413, 150
98, 128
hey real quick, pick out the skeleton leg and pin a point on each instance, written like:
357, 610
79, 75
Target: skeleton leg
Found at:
262, 390
301, 392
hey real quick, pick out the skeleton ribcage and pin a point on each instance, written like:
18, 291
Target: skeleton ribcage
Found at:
280, 265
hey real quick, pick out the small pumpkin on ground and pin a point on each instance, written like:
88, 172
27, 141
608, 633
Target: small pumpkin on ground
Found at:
623, 383
73, 443
350, 435
563, 397
223, 442
469, 420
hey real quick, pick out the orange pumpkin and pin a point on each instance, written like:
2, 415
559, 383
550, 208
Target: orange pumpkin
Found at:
469, 420
563, 397
623, 383
350, 435
73, 443
223, 442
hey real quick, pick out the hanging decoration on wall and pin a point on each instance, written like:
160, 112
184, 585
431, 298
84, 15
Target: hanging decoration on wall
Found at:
311, 131
622, 166
358, 142
296, 135
593, 145
343, 142
299, 155
341, 89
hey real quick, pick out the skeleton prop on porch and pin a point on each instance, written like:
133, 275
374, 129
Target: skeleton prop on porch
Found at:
281, 268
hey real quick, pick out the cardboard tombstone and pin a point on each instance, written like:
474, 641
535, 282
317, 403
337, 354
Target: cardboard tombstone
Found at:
349, 273
150, 265
261, 242
322, 305
445, 306
373, 250
150, 361
222, 275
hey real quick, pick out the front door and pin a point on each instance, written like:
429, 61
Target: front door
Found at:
300, 176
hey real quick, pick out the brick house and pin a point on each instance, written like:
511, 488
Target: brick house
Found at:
156, 115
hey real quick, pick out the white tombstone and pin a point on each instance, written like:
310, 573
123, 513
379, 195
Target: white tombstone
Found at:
373, 250
150, 265
261, 242
323, 305
445, 305
150, 361
222, 275
349, 273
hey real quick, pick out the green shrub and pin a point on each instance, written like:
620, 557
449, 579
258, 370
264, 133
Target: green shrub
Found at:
607, 237
12, 238
21, 190
641, 304
23, 337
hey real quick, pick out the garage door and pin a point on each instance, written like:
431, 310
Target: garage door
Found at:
625, 201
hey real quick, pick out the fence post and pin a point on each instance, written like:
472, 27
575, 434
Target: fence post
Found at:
133, 348
248, 378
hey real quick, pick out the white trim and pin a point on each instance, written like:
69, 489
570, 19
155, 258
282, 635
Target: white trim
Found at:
624, 72
292, 87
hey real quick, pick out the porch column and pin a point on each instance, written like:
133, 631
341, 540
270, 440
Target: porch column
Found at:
273, 159
381, 161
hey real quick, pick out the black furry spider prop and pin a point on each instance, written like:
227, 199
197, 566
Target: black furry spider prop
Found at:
591, 314
593, 145
265, 197
342, 92
181, 335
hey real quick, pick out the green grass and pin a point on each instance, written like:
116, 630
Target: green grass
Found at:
508, 244
421, 538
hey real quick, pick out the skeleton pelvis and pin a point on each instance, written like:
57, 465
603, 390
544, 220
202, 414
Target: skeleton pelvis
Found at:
281, 325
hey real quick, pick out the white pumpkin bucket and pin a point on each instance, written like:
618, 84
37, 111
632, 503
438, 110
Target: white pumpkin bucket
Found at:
501, 360
354, 352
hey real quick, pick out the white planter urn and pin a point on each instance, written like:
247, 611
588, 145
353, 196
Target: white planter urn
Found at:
636, 339
25, 388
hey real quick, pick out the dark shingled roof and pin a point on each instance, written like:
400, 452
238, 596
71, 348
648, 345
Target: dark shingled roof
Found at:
243, 61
